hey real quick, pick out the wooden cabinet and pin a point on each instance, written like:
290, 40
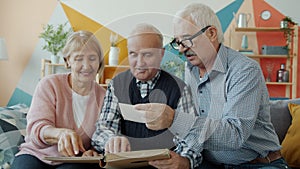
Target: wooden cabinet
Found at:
111, 71
291, 58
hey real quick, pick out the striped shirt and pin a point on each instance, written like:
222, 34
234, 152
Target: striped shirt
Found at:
232, 102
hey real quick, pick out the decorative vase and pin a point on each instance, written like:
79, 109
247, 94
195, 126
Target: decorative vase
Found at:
244, 44
113, 57
54, 59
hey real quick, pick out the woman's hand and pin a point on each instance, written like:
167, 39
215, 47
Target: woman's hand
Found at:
68, 142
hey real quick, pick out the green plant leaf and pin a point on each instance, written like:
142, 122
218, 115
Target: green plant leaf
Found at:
55, 37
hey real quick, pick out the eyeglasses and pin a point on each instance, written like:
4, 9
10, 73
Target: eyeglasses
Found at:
187, 43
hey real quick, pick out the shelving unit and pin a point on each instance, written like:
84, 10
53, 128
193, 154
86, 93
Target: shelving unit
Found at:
48, 68
291, 59
111, 71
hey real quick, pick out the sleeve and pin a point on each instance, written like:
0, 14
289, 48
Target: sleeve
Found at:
235, 122
108, 123
182, 149
42, 112
185, 114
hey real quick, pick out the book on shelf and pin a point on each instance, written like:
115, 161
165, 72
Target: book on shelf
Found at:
130, 159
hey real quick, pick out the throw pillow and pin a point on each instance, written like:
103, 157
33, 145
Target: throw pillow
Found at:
291, 145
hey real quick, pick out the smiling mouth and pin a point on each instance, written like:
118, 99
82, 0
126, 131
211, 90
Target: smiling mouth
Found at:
86, 73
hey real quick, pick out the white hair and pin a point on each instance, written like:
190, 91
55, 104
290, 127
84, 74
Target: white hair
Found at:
145, 28
202, 16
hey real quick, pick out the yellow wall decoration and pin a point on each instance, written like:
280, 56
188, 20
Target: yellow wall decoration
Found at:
79, 21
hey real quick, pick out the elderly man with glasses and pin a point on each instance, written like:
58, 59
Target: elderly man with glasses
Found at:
233, 129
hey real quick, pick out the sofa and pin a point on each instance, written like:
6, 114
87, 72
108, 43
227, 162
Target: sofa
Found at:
288, 137
15, 115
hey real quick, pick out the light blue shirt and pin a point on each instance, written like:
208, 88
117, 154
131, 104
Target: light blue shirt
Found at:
232, 102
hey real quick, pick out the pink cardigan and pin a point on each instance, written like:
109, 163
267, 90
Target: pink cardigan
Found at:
52, 105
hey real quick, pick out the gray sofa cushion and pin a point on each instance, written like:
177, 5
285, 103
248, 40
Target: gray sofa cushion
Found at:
280, 116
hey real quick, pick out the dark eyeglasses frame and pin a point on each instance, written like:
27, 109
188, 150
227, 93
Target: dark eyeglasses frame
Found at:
175, 44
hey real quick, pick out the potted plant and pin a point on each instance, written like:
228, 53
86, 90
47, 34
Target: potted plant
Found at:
286, 23
55, 38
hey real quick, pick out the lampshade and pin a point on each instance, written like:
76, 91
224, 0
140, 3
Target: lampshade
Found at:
3, 51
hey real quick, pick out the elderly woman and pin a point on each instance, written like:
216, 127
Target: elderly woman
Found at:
64, 108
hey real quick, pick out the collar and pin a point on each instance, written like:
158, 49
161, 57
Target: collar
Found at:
220, 64
151, 81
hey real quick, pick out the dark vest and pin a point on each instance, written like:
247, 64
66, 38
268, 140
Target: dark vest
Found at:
167, 90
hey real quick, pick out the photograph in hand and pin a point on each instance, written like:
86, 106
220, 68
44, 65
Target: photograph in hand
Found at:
130, 113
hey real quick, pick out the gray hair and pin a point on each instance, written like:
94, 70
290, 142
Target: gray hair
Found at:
145, 28
202, 16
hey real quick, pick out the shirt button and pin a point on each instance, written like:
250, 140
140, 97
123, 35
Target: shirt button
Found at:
200, 91
202, 111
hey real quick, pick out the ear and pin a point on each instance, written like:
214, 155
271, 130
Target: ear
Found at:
163, 51
67, 62
212, 34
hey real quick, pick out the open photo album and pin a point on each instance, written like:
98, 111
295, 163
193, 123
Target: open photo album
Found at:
130, 159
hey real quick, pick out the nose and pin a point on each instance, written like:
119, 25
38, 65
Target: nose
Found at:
181, 48
86, 63
140, 60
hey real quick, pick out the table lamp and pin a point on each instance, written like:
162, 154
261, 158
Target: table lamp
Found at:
3, 51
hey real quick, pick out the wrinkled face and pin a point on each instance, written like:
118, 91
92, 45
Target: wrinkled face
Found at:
144, 55
84, 65
201, 52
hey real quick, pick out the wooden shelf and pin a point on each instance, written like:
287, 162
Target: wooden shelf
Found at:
279, 83
56, 64
268, 56
48, 68
262, 29
291, 60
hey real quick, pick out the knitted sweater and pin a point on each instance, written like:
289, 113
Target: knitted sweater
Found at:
52, 106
